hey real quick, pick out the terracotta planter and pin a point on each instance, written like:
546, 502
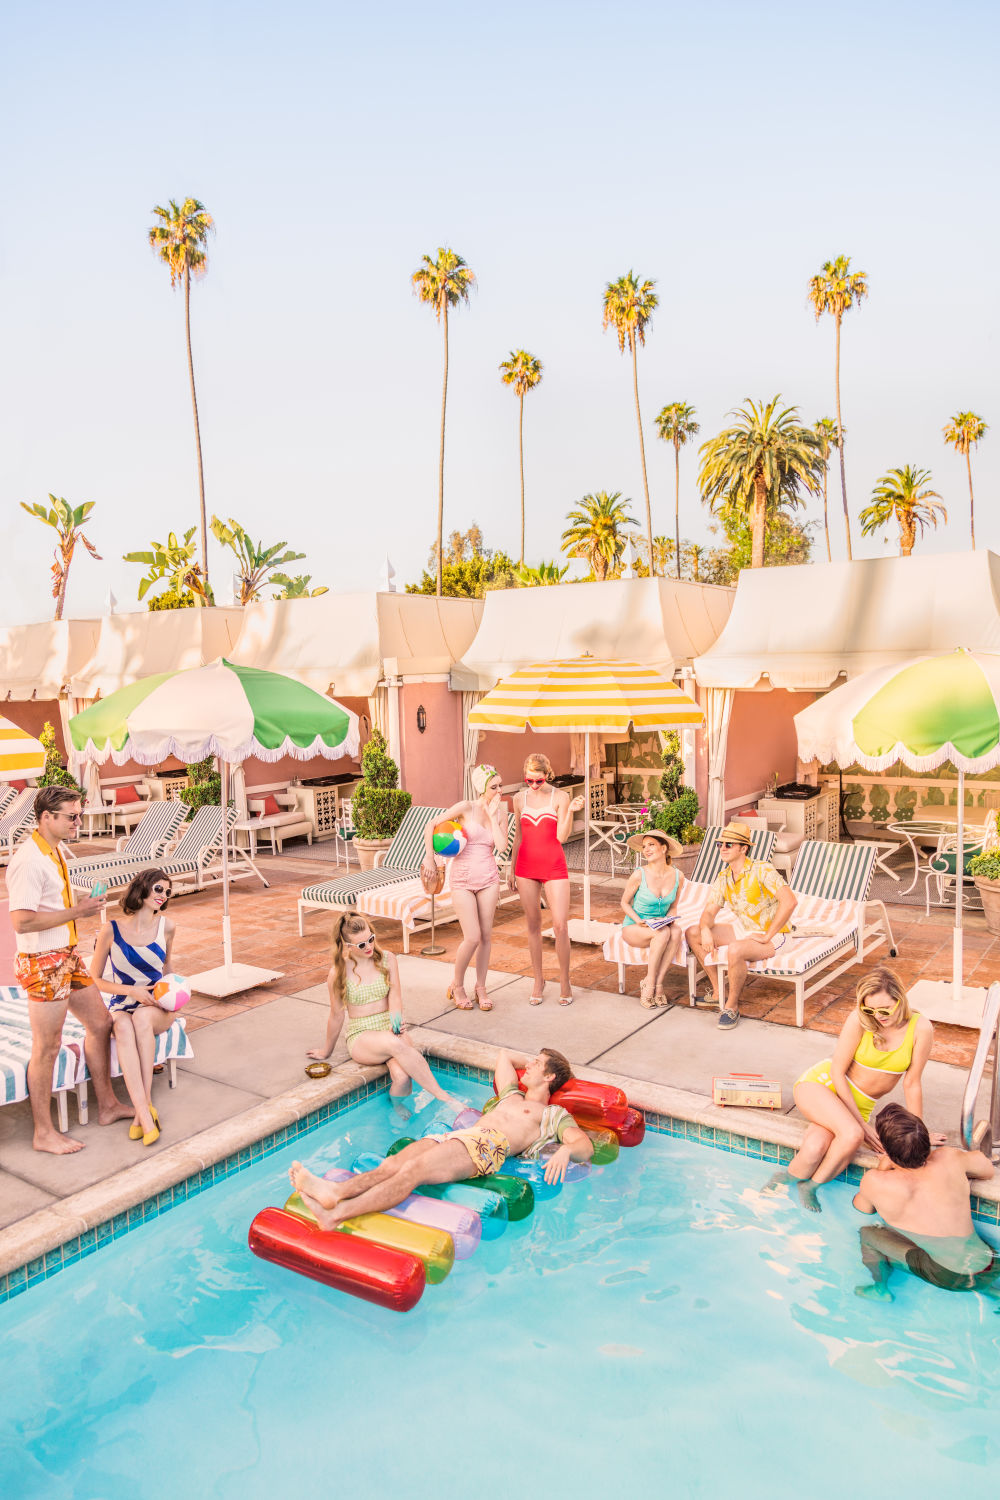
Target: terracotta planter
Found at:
367, 850
686, 861
989, 890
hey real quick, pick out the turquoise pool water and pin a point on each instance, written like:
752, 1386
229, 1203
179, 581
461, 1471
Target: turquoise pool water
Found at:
661, 1328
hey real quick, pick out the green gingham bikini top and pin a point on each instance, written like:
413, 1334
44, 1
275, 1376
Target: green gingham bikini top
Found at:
367, 993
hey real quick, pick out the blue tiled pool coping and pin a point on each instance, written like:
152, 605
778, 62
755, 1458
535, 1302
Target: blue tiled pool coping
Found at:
984, 1210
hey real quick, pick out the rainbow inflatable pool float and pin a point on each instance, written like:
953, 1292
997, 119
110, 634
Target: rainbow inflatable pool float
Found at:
389, 1258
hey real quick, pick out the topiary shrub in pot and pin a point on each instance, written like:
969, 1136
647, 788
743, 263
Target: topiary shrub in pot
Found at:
378, 806
985, 868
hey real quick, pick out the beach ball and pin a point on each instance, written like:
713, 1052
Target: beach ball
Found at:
171, 992
449, 838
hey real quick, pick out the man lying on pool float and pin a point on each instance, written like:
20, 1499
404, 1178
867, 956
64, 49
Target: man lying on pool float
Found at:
513, 1124
923, 1196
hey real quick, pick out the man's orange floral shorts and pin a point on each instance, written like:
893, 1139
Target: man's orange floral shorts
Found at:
52, 975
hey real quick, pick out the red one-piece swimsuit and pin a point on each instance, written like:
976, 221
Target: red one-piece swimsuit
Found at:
540, 856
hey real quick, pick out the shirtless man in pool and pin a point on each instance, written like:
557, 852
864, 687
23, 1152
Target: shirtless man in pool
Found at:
512, 1123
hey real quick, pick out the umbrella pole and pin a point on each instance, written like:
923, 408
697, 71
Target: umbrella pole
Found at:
227, 932
956, 941
586, 827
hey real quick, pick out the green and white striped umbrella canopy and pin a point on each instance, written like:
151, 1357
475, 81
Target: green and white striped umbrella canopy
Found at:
219, 709
932, 710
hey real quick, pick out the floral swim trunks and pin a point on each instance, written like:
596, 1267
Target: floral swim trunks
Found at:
53, 975
488, 1148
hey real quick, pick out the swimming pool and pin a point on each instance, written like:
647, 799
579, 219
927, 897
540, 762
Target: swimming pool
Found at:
662, 1327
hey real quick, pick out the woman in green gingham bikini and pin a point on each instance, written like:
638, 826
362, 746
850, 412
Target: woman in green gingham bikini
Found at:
364, 987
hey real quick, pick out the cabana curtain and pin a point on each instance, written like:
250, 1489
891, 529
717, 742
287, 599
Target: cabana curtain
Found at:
470, 743
718, 707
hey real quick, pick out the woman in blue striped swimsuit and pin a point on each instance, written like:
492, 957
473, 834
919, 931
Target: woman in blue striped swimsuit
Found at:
137, 947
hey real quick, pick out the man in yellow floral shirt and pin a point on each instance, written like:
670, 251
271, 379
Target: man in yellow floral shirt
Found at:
747, 915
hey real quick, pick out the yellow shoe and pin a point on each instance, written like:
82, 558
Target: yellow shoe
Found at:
151, 1136
135, 1131
152, 1111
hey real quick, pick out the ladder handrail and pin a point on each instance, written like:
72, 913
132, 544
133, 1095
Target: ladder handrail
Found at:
987, 1037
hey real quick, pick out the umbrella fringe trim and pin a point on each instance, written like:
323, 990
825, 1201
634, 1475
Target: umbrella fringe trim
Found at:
349, 745
840, 754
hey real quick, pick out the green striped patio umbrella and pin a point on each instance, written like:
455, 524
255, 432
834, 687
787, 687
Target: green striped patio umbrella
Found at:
924, 714
223, 710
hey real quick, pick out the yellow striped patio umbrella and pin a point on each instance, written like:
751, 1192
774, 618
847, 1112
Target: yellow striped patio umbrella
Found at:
585, 695
21, 755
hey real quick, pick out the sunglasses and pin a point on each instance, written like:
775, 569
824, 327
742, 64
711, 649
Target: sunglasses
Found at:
72, 817
879, 1010
534, 781
368, 942
161, 890
729, 844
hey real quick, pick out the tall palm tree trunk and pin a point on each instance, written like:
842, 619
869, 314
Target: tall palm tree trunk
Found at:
972, 502
642, 455
677, 502
826, 516
907, 536
520, 448
197, 425
758, 523
444, 405
840, 445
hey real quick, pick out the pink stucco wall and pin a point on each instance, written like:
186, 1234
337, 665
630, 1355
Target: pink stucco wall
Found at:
508, 751
431, 763
762, 739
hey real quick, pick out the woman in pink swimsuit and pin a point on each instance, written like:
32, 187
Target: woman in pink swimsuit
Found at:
475, 879
544, 821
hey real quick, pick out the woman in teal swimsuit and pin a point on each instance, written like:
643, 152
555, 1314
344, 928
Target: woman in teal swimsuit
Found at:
364, 989
649, 902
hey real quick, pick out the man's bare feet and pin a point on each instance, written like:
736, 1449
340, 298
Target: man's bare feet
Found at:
116, 1112
314, 1190
56, 1145
326, 1218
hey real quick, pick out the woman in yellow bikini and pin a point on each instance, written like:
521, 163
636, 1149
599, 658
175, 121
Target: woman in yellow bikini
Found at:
364, 988
881, 1042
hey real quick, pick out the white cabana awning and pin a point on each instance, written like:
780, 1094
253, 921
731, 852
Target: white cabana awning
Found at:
659, 622
152, 641
39, 661
804, 628
347, 643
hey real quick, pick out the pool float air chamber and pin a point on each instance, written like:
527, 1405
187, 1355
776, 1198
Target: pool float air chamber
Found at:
389, 1278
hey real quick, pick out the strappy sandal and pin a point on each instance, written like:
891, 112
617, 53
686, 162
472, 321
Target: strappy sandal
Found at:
535, 999
483, 1000
565, 999
456, 1002
646, 997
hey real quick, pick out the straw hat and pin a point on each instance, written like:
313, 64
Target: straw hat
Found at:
671, 845
735, 833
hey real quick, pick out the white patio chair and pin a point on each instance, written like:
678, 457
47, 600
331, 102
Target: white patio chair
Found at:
344, 832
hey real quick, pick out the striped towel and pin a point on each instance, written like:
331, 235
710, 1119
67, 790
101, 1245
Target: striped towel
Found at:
406, 902
15, 1053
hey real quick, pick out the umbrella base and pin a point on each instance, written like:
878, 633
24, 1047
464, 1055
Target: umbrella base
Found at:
229, 979
936, 999
581, 931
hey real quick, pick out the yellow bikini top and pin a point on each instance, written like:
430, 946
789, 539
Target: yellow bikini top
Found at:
896, 1061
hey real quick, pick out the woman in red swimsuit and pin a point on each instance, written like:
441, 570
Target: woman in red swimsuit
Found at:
544, 821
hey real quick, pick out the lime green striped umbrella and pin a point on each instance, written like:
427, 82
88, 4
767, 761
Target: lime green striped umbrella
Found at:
220, 709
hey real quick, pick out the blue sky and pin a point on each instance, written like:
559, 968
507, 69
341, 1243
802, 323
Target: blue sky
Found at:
722, 150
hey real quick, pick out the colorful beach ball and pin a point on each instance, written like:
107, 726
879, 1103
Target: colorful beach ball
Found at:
449, 838
171, 992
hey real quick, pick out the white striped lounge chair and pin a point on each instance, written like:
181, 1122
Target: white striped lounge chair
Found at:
407, 903
197, 855
16, 822
15, 1054
401, 862
692, 898
145, 844
7, 795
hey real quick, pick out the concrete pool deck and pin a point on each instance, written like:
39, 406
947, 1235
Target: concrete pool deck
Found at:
247, 1080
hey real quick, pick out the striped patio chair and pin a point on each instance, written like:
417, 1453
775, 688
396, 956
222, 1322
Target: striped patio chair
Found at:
834, 925
144, 845
691, 902
197, 855
7, 795
407, 903
402, 862
15, 1054
17, 822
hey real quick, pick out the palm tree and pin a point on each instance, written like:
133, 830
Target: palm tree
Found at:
443, 283
179, 240
828, 438
523, 371
835, 290
544, 576
676, 425
597, 532
761, 464
696, 556
898, 497
628, 306
963, 432
65, 520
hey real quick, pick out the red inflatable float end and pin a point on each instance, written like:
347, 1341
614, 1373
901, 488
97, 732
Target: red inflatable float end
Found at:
389, 1278
602, 1103
630, 1132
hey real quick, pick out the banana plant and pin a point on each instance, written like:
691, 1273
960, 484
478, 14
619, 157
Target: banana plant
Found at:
65, 520
255, 560
545, 573
297, 587
173, 560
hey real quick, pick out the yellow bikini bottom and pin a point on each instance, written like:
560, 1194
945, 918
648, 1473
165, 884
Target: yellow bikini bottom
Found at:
822, 1072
